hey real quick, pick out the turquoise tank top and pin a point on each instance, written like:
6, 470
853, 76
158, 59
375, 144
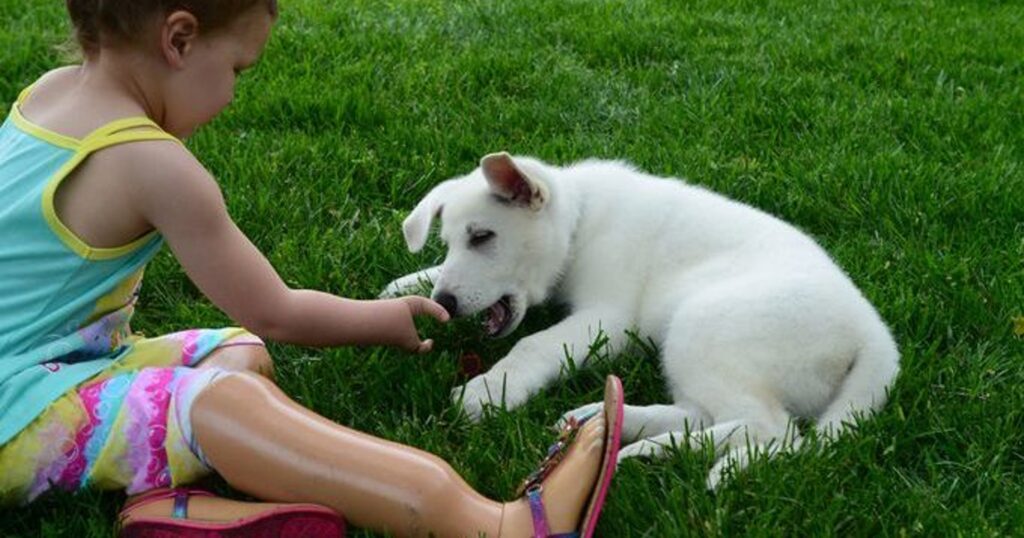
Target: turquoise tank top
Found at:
64, 306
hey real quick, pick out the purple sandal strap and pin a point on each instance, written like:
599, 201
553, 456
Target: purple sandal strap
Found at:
540, 517
532, 486
180, 510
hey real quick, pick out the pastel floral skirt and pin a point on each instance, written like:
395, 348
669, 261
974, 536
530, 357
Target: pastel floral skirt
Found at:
126, 428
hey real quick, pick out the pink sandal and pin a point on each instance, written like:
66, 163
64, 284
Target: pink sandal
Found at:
291, 521
533, 486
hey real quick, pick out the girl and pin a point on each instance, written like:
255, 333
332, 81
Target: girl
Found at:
83, 402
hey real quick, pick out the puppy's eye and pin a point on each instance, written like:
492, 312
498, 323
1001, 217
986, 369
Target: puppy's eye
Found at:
480, 237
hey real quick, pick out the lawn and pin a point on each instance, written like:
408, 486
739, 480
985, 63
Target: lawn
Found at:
892, 132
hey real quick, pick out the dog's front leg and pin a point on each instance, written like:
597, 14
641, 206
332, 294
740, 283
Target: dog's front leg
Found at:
412, 283
538, 359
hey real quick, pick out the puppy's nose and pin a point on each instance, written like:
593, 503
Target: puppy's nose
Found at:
448, 301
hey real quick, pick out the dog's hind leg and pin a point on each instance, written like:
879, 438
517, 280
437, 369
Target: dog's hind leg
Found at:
646, 421
739, 457
766, 429
863, 390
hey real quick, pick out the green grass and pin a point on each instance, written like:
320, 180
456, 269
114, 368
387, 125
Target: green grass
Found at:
892, 132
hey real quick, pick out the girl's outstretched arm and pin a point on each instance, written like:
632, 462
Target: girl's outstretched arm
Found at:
183, 201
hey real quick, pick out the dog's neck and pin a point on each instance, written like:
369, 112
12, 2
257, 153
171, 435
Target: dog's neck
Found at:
571, 204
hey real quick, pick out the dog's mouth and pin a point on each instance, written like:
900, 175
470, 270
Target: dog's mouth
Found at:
499, 316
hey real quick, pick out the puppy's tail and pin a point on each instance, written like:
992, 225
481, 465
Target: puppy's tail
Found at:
865, 388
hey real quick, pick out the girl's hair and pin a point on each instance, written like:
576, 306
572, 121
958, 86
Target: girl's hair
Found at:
104, 21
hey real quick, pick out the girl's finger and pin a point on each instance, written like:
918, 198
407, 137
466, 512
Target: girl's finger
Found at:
422, 305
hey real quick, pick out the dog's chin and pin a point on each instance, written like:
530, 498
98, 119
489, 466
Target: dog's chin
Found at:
502, 317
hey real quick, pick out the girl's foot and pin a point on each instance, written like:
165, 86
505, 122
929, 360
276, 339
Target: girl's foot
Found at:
567, 489
572, 487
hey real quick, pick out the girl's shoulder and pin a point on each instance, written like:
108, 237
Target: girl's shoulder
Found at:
56, 76
45, 88
66, 102
63, 102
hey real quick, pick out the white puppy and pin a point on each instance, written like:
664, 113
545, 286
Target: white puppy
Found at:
756, 324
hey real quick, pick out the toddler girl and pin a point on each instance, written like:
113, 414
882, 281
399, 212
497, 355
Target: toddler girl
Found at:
93, 180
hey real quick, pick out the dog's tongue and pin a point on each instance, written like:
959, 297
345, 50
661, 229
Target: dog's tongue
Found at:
497, 316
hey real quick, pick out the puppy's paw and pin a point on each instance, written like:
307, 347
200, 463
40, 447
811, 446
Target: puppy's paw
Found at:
476, 394
490, 390
720, 473
412, 284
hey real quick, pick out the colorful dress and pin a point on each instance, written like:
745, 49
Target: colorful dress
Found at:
83, 401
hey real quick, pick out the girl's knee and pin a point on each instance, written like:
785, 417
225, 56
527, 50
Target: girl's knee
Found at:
241, 358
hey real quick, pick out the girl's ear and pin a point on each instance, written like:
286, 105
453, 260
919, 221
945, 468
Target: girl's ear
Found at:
178, 35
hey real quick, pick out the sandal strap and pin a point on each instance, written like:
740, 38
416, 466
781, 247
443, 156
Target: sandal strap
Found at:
180, 510
555, 452
179, 495
540, 517
532, 486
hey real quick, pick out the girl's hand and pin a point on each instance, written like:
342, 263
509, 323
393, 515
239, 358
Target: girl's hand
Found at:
405, 335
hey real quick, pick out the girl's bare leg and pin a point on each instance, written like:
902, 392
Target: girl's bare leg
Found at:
270, 447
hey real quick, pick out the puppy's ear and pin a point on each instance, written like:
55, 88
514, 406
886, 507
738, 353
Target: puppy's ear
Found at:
510, 182
416, 227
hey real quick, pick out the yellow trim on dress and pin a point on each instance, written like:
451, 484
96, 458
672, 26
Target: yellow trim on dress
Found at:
24, 93
70, 240
45, 135
37, 131
124, 130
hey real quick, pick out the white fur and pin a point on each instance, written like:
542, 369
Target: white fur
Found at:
755, 323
